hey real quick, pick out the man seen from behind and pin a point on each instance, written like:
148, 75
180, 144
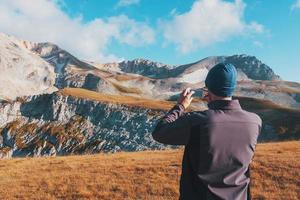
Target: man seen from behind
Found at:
219, 142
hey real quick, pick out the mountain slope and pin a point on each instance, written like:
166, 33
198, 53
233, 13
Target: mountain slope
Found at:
22, 72
279, 123
79, 121
247, 66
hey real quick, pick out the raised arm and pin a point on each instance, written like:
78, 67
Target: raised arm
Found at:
174, 128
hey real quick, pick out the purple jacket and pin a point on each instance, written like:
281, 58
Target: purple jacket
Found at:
219, 146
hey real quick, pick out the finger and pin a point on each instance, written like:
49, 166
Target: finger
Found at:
183, 93
190, 94
186, 91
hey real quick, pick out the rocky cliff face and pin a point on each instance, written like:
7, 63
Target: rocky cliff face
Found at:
252, 67
54, 124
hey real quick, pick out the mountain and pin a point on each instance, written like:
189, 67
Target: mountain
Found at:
56, 104
247, 66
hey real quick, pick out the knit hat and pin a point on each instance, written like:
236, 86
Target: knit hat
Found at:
221, 79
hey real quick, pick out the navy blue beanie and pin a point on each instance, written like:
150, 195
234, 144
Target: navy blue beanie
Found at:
221, 79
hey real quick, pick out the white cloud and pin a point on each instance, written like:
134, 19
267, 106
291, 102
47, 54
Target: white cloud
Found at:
255, 27
173, 12
43, 20
124, 3
207, 22
296, 5
258, 44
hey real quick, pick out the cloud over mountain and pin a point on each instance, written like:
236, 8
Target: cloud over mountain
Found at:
208, 22
44, 20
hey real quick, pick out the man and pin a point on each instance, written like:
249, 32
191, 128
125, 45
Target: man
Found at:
219, 142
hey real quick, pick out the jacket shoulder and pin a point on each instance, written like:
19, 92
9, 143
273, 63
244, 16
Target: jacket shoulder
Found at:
253, 117
197, 117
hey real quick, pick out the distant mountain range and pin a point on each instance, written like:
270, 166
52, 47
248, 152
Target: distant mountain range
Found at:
53, 103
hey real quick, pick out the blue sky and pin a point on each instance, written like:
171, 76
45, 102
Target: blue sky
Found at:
168, 31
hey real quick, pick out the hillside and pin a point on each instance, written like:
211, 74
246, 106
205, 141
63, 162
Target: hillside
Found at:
142, 175
80, 121
279, 123
117, 99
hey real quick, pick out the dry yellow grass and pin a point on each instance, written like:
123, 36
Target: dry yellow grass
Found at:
262, 86
117, 99
128, 77
276, 171
123, 100
124, 89
141, 175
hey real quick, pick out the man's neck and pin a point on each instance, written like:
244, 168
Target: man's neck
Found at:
221, 98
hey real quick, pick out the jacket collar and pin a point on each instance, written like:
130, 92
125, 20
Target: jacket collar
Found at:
225, 105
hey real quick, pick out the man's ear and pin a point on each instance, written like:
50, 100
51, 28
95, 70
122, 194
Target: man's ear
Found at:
210, 96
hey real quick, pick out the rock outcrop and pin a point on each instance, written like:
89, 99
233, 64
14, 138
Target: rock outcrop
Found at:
53, 124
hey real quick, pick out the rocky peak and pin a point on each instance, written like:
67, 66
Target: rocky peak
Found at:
145, 67
252, 67
46, 49
248, 67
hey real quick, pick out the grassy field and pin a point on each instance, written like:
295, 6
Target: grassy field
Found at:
141, 175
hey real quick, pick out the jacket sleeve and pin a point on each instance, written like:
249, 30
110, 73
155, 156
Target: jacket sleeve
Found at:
174, 128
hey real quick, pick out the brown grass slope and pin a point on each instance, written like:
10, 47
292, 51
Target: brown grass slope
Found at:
142, 175
262, 86
284, 121
116, 99
123, 99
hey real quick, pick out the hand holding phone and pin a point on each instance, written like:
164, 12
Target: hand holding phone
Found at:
186, 98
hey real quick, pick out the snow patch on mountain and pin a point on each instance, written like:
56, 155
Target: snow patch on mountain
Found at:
194, 77
22, 72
